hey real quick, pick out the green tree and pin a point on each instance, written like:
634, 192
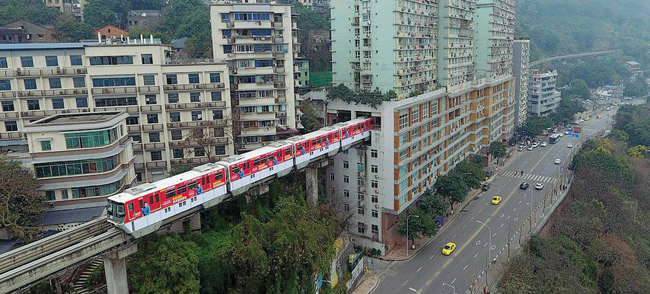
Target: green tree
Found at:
99, 13
164, 264
30, 10
637, 89
497, 149
433, 204
179, 169
72, 31
309, 118
453, 187
638, 151
422, 225
148, 4
577, 88
21, 204
471, 172
535, 125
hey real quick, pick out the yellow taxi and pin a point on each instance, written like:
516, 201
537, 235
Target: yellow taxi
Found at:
448, 249
496, 200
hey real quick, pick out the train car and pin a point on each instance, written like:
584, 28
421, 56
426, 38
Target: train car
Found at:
144, 209
354, 131
257, 165
315, 144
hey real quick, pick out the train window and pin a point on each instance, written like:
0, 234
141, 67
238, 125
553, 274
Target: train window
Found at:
235, 169
151, 199
203, 180
191, 186
141, 206
256, 162
263, 160
218, 177
157, 198
287, 152
181, 189
170, 193
131, 207
271, 157
120, 210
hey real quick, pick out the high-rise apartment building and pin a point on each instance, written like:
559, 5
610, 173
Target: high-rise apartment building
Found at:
390, 45
543, 98
170, 103
494, 30
520, 71
257, 40
458, 112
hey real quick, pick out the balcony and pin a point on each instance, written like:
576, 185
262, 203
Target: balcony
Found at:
278, 69
258, 131
7, 94
152, 127
192, 105
133, 129
213, 104
149, 89
7, 73
156, 165
129, 109
114, 90
8, 114
150, 108
189, 87
191, 161
54, 71
154, 146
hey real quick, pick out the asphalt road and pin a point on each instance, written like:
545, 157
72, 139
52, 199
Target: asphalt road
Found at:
431, 272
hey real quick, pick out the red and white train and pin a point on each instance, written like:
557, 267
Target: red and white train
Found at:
144, 209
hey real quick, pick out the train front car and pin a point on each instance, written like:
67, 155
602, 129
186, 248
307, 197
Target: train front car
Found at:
247, 169
354, 131
144, 209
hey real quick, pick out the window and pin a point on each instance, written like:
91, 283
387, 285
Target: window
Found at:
375, 229
361, 228
195, 97
194, 78
171, 79
227, 48
346, 207
149, 80
150, 99
331, 176
132, 120
136, 138
215, 77
373, 153
3, 62
8, 105
111, 60
172, 98
174, 116
361, 196
46, 145
152, 118
57, 103
55, 83
177, 135
425, 111
75, 60
147, 59
30, 84
346, 193
79, 82
197, 115
27, 61
156, 155
217, 114
90, 139
199, 151
51, 61
216, 96
114, 82
121, 101
361, 210
5, 85
178, 153
374, 169
220, 150
154, 137
50, 195
33, 104
374, 198
374, 184
263, 63
403, 119
346, 164
225, 17
415, 115
82, 102
375, 213
346, 179
11, 126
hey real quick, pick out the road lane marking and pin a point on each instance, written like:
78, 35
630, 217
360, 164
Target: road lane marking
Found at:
419, 269
447, 263
405, 283
436, 274
502, 225
429, 282
466, 266
515, 209
430, 258
453, 281
475, 255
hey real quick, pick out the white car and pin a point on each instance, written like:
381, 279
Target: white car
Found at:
530, 148
566, 132
569, 145
535, 145
539, 186
544, 144
557, 161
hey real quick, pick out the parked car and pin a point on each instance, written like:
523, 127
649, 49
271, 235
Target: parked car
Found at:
485, 187
544, 144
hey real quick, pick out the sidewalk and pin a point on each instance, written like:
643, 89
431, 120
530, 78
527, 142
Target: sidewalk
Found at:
368, 284
399, 253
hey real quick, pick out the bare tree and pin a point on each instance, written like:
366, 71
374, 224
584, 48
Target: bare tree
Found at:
21, 204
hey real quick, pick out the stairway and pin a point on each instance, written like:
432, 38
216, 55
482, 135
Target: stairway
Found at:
79, 286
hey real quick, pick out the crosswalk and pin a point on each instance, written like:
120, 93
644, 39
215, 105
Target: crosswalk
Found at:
530, 177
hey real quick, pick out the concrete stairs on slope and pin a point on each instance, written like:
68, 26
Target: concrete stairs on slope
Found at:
79, 286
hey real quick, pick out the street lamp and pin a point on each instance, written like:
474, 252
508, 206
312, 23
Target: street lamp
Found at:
490, 239
407, 233
445, 284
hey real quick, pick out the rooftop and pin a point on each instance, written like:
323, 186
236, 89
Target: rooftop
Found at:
45, 46
76, 122
77, 118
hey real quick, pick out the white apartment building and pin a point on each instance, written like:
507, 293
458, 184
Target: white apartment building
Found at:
494, 33
81, 155
258, 41
543, 98
390, 45
166, 99
520, 71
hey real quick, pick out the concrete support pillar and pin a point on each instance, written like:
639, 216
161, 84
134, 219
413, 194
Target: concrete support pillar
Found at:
312, 186
115, 268
195, 222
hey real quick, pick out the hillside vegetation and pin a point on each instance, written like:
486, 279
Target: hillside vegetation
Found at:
559, 27
599, 241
